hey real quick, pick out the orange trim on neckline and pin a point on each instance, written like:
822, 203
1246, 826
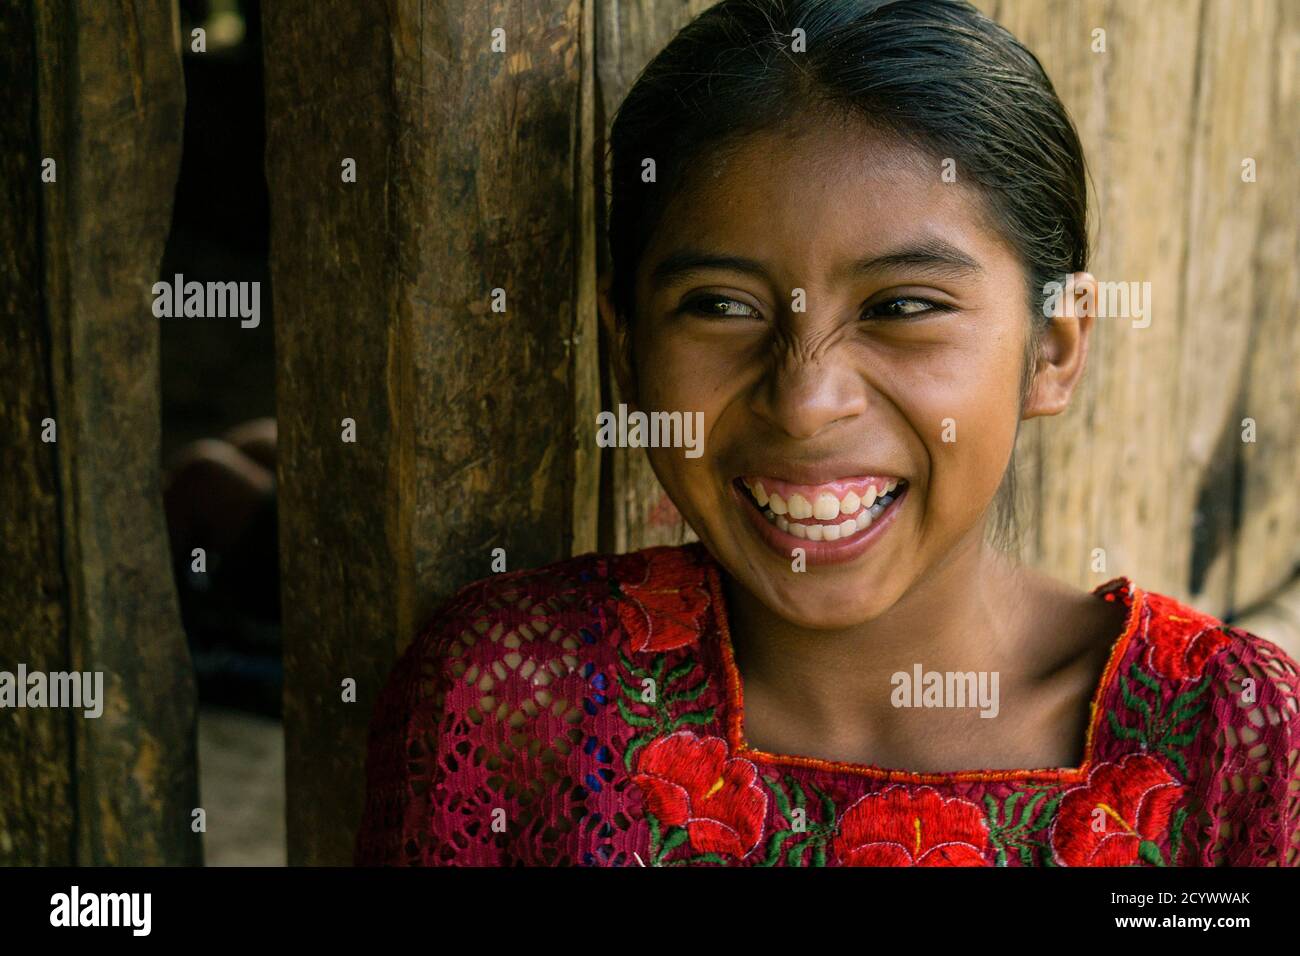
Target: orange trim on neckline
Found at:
736, 709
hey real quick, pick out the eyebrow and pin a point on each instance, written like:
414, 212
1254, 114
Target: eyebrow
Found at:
933, 256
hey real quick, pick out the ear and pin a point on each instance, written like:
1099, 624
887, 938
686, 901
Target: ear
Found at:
619, 337
1064, 348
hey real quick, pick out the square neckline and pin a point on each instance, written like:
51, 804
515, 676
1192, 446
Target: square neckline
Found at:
735, 718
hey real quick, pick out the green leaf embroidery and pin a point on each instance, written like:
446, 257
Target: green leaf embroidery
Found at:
691, 693
1137, 703
789, 796
1176, 839
676, 837
774, 847
1036, 814
636, 720
1148, 851
663, 715
691, 717
1159, 727
683, 669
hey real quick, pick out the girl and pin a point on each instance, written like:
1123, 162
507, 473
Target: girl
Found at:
845, 259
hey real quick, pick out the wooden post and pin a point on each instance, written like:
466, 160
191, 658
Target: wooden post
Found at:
87, 584
443, 304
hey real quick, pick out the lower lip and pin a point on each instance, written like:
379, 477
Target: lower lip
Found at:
819, 552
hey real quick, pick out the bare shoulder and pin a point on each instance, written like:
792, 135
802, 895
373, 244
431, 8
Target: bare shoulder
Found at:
1071, 629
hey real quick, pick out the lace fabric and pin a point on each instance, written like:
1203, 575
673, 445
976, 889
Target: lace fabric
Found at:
589, 713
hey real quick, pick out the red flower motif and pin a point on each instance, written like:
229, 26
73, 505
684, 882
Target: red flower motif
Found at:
690, 782
1136, 796
904, 827
664, 608
1181, 639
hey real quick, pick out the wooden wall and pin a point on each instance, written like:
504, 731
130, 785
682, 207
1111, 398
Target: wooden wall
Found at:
473, 174
85, 583
1149, 462
474, 428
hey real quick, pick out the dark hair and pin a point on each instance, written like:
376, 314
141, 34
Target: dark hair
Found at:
937, 73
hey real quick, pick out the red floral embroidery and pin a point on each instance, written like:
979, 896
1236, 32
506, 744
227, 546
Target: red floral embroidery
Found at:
665, 610
1182, 639
902, 827
690, 782
440, 757
1137, 796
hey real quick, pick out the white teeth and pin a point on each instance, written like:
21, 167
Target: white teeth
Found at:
859, 511
826, 507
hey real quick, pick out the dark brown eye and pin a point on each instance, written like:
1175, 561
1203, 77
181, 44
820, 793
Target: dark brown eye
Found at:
719, 307
900, 307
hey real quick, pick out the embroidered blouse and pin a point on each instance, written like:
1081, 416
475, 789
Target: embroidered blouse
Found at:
590, 713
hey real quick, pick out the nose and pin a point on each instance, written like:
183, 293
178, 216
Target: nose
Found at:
802, 395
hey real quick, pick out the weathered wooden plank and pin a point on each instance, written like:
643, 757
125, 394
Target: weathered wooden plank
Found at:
36, 797
1219, 322
468, 180
91, 588
1149, 464
586, 335
1102, 470
1268, 492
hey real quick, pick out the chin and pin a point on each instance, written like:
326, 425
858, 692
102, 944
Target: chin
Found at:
818, 607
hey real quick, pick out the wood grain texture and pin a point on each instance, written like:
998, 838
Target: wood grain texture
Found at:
468, 180
1219, 321
1101, 469
1268, 491
586, 344
1148, 464
105, 99
36, 794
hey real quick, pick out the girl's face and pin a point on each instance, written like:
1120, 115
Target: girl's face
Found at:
852, 328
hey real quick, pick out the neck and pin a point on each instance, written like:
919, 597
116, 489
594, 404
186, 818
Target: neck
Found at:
953, 618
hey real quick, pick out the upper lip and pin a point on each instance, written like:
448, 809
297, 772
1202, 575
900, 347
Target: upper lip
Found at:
817, 473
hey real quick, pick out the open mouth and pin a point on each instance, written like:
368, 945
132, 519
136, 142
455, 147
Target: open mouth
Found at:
839, 511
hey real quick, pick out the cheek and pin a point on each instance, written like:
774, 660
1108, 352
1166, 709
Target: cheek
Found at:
679, 376
966, 412
676, 372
